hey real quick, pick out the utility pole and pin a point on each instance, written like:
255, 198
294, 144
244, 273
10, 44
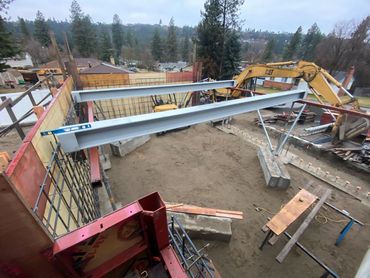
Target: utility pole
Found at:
59, 59
72, 66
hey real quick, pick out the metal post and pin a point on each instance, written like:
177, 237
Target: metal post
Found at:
280, 147
263, 126
14, 119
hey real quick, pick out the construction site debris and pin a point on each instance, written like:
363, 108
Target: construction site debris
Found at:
355, 154
183, 208
124, 147
306, 117
203, 227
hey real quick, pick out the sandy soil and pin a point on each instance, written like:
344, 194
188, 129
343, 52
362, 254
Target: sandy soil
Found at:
206, 167
11, 141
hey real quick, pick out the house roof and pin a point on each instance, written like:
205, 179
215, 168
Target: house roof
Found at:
105, 68
81, 63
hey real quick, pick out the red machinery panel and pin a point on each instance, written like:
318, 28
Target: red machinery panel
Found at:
134, 236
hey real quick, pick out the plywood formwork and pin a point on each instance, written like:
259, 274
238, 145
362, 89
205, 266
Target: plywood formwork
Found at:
147, 78
22, 239
104, 80
49, 188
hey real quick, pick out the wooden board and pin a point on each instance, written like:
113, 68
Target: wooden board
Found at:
291, 211
283, 253
204, 211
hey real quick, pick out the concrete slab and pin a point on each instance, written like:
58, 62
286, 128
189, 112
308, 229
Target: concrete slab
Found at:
274, 170
204, 227
105, 161
122, 148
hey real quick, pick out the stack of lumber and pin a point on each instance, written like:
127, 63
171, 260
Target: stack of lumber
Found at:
189, 209
306, 116
356, 154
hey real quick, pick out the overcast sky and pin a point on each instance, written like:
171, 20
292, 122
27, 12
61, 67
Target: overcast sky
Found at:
273, 15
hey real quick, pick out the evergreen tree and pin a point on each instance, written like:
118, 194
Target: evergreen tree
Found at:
230, 22
41, 30
83, 31
7, 48
309, 43
105, 46
231, 56
129, 39
24, 30
117, 35
171, 42
185, 51
292, 48
216, 33
268, 52
209, 36
156, 45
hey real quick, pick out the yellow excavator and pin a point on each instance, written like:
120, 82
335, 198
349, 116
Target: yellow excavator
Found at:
317, 78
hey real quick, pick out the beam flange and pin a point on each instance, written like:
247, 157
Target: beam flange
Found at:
116, 93
82, 136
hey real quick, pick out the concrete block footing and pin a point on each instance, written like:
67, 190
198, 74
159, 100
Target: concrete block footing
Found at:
105, 161
124, 147
204, 227
274, 170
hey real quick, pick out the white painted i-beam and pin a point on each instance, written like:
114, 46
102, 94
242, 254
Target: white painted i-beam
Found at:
143, 91
82, 136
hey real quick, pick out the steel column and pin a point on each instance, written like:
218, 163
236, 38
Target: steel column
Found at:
116, 93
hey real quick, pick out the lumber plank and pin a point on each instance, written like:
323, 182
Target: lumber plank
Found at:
284, 252
190, 209
291, 211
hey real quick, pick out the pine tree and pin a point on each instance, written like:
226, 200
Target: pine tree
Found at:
156, 45
171, 42
216, 33
185, 51
309, 43
41, 30
231, 56
292, 48
106, 50
209, 36
129, 39
83, 31
24, 30
268, 52
7, 48
117, 35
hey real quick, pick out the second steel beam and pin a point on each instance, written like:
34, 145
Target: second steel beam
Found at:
82, 136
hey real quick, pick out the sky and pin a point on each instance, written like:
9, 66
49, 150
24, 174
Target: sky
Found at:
272, 15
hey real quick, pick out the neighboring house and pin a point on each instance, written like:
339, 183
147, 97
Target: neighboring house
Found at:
11, 77
104, 68
20, 61
178, 66
53, 66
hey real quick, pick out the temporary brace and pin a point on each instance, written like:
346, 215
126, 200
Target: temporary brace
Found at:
81, 136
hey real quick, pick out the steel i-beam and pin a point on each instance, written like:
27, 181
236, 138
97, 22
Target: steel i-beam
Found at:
116, 93
82, 136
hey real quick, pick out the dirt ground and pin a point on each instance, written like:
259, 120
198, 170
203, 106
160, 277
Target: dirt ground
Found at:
206, 167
